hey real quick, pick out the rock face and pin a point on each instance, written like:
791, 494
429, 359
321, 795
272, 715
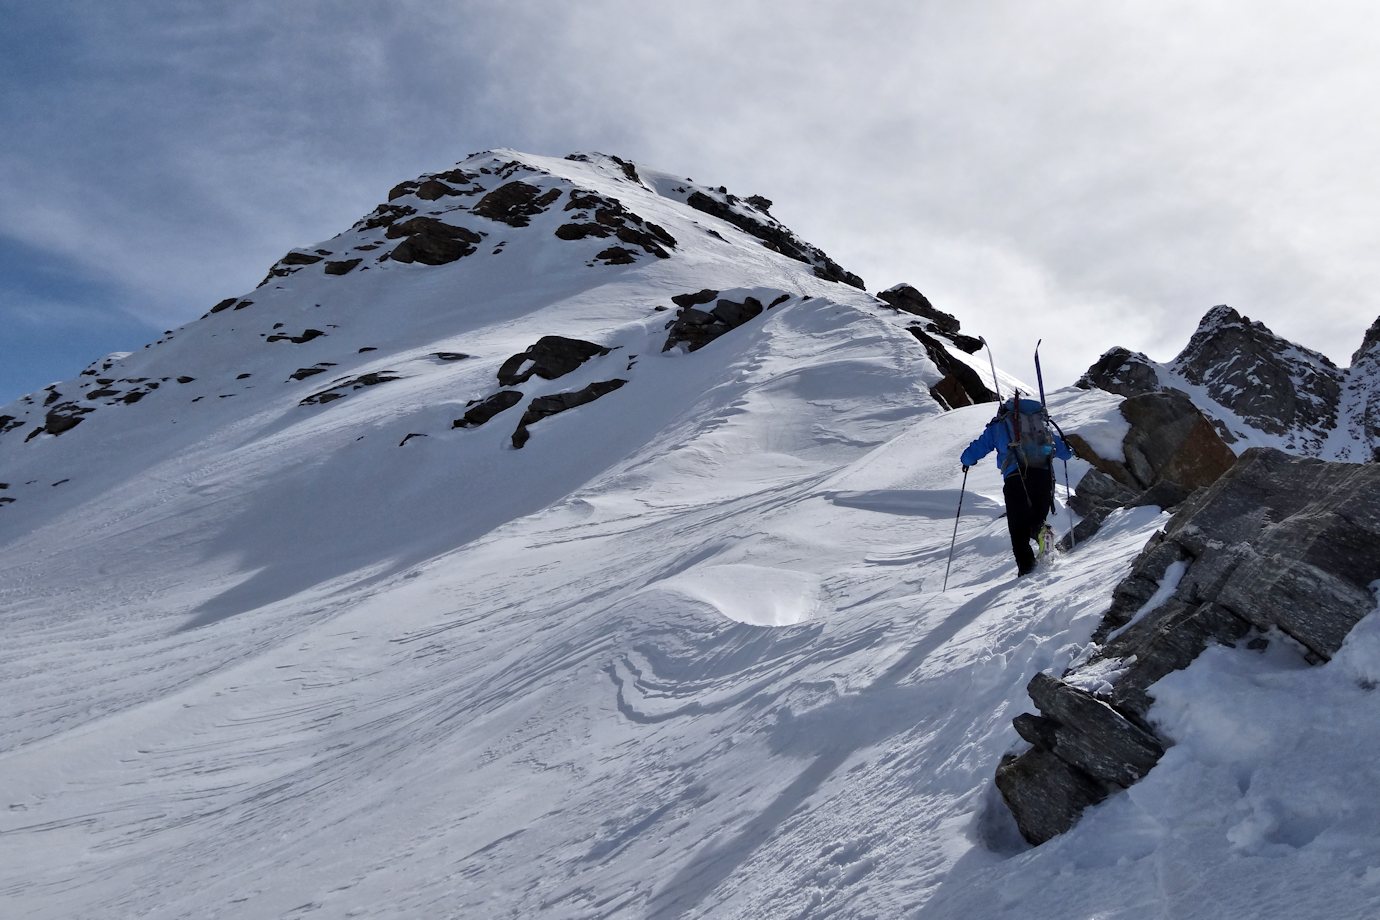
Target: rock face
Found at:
1279, 542
481, 410
1274, 385
773, 235
1261, 388
1123, 372
1170, 451
961, 385
516, 203
431, 242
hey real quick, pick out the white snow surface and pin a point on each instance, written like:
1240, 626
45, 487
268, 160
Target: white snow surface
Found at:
683, 655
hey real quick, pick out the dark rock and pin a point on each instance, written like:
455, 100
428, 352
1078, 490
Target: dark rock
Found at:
617, 255
516, 203
306, 335
960, 385
297, 257
185, 379
432, 242
102, 393
694, 300
402, 189
385, 215
449, 355
544, 406
776, 238
225, 304
244, 303
409, 437
1278, 542
339, 390
302, 373
1044, 793
760, 203
431, 190
907, 299
64, 418
485, 409
9, 423
343, 267
552, 356
1092, 736
696, 328
1269, 383
1123, 372
133, 396
582, 231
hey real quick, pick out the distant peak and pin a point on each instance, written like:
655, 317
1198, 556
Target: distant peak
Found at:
1370, 345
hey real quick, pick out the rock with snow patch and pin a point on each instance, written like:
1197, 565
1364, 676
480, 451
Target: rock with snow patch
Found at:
544, 406
550, 357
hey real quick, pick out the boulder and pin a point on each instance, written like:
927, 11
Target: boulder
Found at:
1123, 372
552, 356
775, 237
431, 242
906, 299
960, 385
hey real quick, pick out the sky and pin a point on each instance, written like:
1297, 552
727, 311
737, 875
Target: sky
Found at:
1092, 174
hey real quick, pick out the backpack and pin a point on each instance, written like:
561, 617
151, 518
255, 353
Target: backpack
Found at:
1032, 443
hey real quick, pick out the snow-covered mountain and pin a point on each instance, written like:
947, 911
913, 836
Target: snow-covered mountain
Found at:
1261, 389
566, 539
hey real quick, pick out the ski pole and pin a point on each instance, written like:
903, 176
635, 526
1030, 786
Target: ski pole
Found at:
954, 538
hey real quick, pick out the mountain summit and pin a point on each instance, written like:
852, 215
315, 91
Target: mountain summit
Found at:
570, 539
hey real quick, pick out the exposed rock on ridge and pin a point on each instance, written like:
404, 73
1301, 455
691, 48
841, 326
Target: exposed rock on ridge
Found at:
1280, 542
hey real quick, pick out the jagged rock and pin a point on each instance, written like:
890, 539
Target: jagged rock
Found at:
225, 304
1278, 542
481, 411
960, 385
302, 373
696, 328
760, 203
544, 406
906, 299
1044, 793
776, 238
606, 217
343, 267
1273, 385
385, 215
403, 189
552, 356
297, 257
431, 242
1123, 372
516, 203
1170, 450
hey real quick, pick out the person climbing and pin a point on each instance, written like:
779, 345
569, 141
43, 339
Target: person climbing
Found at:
1025, 444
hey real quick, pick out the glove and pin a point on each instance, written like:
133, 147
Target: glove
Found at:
965, 467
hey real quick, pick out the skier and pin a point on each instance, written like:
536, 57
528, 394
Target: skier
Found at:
1025, 444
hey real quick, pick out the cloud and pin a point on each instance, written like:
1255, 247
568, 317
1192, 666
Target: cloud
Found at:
1095, 174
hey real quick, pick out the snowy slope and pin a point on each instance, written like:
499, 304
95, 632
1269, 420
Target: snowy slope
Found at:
683, 654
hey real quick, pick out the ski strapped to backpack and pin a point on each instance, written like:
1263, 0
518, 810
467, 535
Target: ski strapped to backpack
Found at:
1032, 441
1068, 493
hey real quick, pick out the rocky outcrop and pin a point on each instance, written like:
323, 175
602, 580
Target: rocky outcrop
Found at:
516, 203
1272, 384
544, 406
552, 356
1123, 372
431, 242
601, 218
1278, 543
1170, 451
774, 236
695, 328
960, 385
347, 386
481, 410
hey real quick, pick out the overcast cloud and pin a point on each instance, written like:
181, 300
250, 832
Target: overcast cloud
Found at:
1092, 173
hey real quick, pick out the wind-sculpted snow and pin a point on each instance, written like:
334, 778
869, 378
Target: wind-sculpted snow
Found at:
684, 654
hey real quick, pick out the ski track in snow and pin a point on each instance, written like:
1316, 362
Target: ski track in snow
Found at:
280, 666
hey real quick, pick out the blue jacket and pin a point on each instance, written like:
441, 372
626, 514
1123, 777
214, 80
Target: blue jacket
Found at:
998, 436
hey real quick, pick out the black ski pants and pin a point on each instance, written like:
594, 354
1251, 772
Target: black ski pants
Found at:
1029, 498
